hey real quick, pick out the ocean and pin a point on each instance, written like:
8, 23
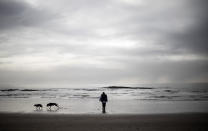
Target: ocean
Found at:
148, 99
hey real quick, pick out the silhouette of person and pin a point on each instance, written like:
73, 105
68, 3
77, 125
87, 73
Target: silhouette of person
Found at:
103, 99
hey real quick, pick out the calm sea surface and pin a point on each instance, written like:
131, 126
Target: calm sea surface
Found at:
142, 99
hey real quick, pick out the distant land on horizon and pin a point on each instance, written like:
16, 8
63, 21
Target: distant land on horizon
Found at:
127, 87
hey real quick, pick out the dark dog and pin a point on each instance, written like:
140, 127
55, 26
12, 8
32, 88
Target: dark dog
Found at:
49, 105
38, 106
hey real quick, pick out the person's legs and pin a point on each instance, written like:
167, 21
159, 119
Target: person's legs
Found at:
104, 104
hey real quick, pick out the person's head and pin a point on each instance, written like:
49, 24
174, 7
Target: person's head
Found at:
103, 92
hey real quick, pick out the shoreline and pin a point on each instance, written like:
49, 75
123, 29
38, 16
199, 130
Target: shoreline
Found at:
97, 114
104, 122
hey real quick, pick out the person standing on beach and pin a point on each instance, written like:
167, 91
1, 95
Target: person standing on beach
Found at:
103, 99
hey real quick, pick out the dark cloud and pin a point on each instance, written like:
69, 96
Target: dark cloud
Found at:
17, 13
11, 8
194, 39
10, 12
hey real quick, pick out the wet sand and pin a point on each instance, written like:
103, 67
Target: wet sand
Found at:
103, 122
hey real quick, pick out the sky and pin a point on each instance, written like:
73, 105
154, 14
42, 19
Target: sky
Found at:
110, 42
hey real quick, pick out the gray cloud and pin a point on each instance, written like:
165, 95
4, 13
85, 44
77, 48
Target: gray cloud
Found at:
112, 41
151, 72
16, 13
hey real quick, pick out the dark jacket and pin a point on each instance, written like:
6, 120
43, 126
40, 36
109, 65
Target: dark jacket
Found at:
103, 97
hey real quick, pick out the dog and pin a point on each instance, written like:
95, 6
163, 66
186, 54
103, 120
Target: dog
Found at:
38, 106
49, 105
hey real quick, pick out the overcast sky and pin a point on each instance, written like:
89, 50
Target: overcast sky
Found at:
111, 42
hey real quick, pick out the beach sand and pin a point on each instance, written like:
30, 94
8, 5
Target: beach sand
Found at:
103, 122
